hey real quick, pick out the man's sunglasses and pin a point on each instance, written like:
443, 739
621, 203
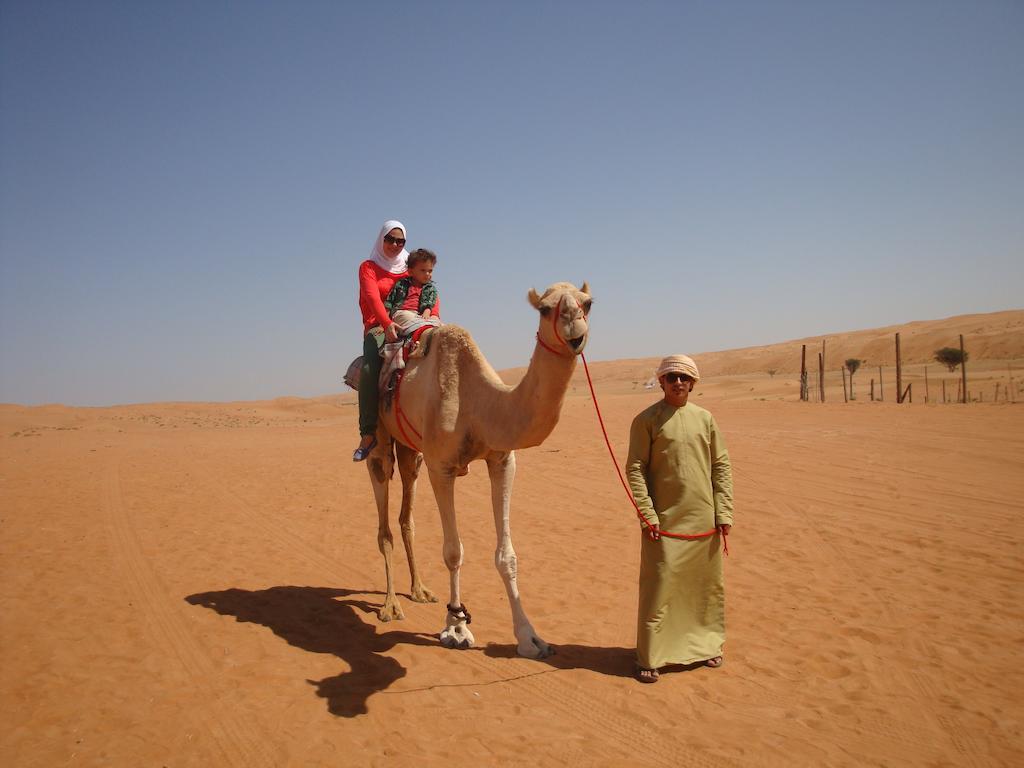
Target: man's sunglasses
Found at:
394, 240
672, 378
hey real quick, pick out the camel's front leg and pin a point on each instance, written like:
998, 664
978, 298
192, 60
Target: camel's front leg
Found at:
381, 466
409, 462
502, 469
455, 633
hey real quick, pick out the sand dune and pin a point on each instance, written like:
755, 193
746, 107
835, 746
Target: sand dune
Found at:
196, 584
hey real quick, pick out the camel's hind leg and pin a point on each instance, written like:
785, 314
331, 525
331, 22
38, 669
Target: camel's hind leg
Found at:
409, 462
502, 469
455, 633
381, 466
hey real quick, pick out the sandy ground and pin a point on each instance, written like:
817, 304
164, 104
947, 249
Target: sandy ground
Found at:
196, 584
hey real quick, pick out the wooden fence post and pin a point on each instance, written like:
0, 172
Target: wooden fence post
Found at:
881, 394
899, 372
927, 389
804, 395
843, 371
963, 367
821, 374
872, 390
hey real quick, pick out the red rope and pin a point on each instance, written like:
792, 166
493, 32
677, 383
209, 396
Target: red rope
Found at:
654, 532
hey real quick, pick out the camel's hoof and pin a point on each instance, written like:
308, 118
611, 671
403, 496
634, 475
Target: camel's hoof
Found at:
391, 610
457, 636
535, 648
422, 595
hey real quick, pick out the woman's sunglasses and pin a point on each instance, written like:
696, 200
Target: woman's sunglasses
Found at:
672, 378
394, 240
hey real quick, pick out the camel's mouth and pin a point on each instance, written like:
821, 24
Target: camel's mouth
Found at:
576, 343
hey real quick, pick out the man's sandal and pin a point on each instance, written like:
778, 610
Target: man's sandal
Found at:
715, 662
646, 675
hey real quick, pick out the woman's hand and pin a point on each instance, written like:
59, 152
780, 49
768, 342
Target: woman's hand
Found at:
391, 333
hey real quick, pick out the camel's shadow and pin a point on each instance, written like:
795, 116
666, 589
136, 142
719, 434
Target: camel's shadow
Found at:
324, 620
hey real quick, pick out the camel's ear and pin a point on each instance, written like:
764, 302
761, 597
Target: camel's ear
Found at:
585, 288
534, 298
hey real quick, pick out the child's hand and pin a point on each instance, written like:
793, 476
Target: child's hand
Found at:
391, 333
427, 312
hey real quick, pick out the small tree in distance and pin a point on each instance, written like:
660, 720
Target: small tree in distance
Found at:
852, 365
951, 357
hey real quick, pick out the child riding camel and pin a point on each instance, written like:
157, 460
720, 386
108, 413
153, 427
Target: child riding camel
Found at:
411, 304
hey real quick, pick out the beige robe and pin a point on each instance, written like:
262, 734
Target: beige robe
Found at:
678, 469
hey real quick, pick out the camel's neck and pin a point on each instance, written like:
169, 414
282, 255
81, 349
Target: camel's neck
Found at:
531, 410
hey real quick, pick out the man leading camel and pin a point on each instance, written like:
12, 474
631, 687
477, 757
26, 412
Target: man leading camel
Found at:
681, 479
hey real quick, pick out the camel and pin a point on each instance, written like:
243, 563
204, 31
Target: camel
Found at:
451, 408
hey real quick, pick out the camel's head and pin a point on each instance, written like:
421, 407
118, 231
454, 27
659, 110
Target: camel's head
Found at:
564, 312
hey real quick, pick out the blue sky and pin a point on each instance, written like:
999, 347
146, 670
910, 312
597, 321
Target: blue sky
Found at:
187, 188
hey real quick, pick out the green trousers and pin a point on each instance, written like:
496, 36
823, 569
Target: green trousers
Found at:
369, 390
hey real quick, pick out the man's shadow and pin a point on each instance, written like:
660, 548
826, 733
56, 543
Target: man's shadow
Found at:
321, 620
614, 662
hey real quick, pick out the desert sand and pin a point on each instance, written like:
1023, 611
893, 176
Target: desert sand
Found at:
190, 584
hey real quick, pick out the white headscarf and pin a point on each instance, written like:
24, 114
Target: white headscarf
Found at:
397, 265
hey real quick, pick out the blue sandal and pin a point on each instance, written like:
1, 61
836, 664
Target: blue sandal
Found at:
360, 454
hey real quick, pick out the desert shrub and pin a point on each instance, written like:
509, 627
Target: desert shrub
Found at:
951, 357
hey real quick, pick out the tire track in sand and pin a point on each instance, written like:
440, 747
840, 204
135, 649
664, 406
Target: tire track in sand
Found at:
234, 738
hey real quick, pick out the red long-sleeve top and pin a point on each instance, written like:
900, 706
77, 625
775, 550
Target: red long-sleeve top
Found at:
374, 285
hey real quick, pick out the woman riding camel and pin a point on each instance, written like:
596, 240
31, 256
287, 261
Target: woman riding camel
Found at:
377, 275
